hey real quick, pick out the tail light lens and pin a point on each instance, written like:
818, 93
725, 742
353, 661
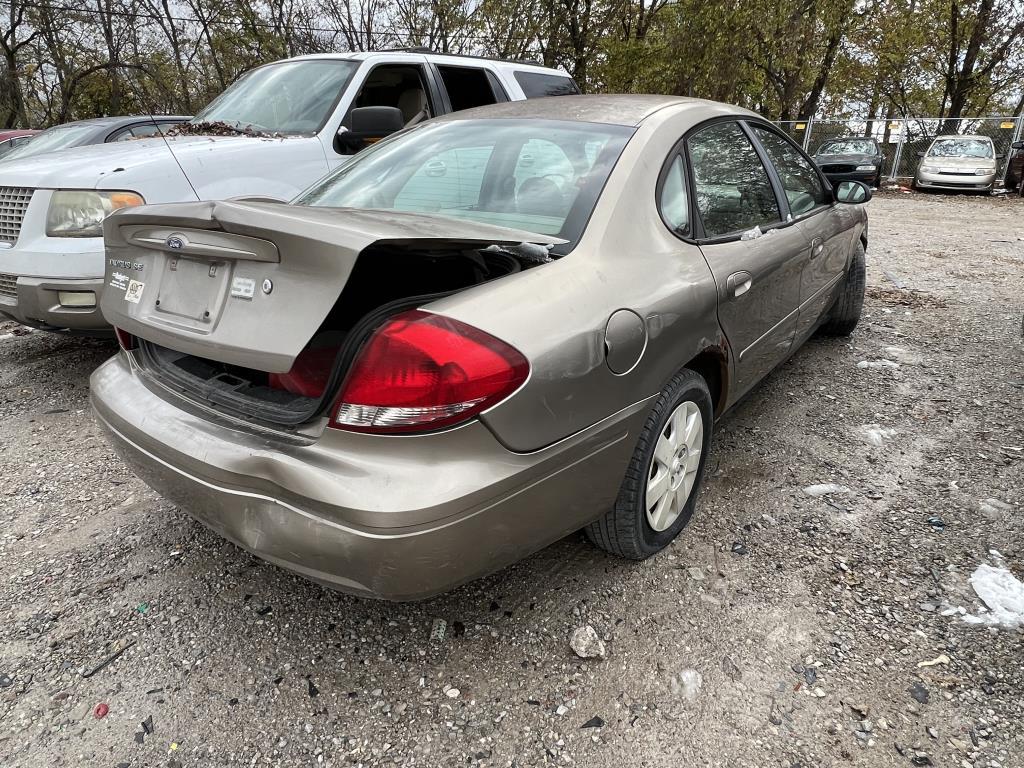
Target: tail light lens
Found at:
422, 372
125, 339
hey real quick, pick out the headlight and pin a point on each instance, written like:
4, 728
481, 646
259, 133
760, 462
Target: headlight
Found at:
929, 169
984, 171
865, 167
80, 212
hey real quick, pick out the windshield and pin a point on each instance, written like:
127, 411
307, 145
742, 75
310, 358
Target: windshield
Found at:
290, 98
52, 139
543, 176
961, 148
848, 147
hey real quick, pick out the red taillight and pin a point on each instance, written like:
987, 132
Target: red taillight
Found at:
422, 372
125, 339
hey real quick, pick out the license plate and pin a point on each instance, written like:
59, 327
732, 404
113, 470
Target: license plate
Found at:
190, 288
950, 170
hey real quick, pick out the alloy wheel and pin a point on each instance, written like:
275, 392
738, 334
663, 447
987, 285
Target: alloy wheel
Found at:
673, 470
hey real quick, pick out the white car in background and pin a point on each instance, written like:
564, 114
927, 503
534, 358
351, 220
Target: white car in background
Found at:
271, 134
958, 163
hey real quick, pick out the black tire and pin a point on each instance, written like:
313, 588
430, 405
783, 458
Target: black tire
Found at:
845, 313
625, 530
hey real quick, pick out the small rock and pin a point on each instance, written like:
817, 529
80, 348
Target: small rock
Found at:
825, 489
452, 693
594, 722
561, 710
586, 643
919, 693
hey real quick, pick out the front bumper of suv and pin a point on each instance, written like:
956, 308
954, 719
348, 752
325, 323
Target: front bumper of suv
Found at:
53, 303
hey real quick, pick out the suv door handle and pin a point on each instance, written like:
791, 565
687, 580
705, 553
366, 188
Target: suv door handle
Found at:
738, 283
817, 246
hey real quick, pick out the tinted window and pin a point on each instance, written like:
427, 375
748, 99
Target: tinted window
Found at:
535, 85
675, 207
539, 175
732, 189
801, 182
467, 87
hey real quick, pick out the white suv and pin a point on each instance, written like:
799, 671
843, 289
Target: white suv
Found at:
272, 133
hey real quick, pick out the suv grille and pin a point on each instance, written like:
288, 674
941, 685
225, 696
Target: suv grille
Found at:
13, 202
8, 286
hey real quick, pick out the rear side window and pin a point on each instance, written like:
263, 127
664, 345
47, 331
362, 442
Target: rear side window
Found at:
673, 202
535, 85
468, 87
801, 182
731, 186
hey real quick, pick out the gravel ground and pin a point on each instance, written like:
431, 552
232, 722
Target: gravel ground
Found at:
781, 629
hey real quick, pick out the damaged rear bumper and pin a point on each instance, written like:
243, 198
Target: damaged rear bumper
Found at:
397, 518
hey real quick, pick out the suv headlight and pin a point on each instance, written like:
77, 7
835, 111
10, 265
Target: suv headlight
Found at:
80, 212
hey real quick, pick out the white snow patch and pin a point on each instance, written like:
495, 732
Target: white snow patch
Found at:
687, 684
824, 489
1002, 593
877, 364
873, 434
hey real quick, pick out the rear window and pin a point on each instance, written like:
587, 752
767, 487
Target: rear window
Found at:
468, 87
543, 176
536, 85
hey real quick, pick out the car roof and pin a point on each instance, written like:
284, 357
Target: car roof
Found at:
13, 133
616, 109
417, 56
117, 121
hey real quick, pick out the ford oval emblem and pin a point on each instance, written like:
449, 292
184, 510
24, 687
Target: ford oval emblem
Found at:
175, 243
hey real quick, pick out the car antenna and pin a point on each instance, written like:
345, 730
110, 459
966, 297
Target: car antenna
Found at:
159, 130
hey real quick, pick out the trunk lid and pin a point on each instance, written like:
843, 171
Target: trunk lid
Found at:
249, 283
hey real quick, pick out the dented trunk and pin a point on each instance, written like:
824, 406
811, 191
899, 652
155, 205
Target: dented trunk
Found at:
259, 307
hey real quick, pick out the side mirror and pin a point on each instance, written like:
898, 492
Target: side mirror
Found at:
852, 192
1017, 145
368, 125
920, 154
1000, 157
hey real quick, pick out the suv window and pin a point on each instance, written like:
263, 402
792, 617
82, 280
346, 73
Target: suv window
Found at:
800, 181
467, 87
396, 85
731, 186
535, 85
672, 199
134, 132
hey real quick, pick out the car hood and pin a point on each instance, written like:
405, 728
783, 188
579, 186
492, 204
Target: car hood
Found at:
112, 166
960, 162
855, 159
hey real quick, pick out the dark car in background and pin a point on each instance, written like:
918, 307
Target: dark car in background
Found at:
98, 130
14, 137
1013, 181
853, 158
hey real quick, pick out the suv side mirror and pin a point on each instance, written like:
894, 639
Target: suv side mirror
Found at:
369, 125
852, 192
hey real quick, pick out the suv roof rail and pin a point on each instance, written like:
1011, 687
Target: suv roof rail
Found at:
428, 49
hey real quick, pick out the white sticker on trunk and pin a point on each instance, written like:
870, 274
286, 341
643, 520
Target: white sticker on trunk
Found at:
119, 280
134, 291
243, 288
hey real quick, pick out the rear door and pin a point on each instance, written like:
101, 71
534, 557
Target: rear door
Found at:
810, 205
754, 255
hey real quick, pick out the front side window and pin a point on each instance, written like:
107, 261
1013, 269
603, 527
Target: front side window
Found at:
293, 97
961, 148
800, 181
673, 202
543, 176
731, 187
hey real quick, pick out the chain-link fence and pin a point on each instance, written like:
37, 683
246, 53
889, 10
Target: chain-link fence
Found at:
903, 139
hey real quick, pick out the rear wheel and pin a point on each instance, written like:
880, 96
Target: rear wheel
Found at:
845, 313
659, 492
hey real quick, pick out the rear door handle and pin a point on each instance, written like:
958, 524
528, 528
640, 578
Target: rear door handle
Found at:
738, 283
817, 246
